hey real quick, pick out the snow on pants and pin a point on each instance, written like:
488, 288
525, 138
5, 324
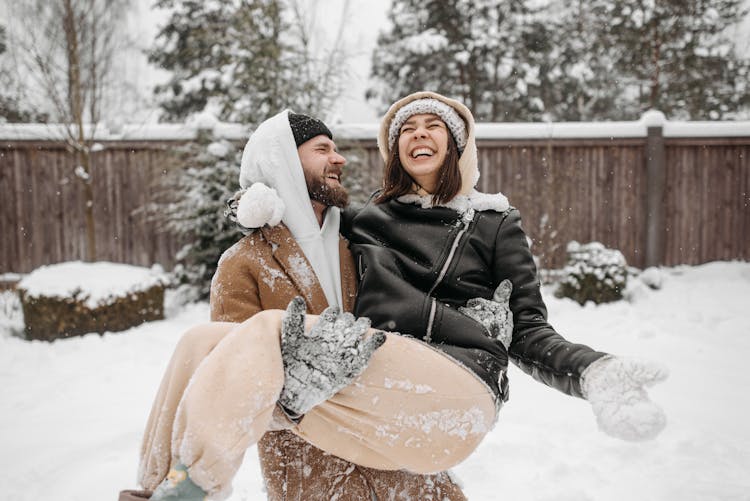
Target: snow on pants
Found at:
413, 408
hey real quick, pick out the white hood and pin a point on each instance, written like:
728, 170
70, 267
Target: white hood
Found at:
270, 157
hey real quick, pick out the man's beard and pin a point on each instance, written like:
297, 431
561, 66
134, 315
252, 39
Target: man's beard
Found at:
326, 194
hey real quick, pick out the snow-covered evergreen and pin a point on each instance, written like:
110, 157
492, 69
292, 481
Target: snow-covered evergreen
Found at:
593, 273
242, 60
195, 195
554, 60
677, 57
485, 53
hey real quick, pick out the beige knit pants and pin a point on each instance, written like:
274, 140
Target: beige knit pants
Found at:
413, 408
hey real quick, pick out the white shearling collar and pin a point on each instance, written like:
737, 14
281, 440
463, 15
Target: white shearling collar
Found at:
462, 203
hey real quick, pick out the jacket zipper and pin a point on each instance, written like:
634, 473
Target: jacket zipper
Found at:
467, 218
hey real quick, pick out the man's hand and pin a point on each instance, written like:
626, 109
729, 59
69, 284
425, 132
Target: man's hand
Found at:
495, 315
615, 388
319, 363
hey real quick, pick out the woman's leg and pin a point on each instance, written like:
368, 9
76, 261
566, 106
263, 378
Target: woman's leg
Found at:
413, 408
156, 449
229, 401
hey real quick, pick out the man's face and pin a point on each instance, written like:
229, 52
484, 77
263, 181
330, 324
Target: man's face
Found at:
322, 166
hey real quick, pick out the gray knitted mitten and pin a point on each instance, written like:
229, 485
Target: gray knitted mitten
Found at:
319, 363
495, 315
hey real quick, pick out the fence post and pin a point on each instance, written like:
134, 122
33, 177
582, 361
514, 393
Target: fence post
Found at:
655, 185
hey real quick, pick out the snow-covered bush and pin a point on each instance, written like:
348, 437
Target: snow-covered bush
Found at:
75, 298
593, 273
194, 197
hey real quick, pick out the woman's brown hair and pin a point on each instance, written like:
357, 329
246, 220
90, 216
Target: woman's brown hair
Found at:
397, 182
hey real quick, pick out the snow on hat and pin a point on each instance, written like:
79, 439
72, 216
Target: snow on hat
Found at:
305, 127
434, 107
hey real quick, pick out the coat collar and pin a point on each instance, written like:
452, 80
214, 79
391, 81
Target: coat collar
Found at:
475, 200
287, 252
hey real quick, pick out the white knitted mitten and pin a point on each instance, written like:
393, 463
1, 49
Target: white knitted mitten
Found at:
319, 363
615, 388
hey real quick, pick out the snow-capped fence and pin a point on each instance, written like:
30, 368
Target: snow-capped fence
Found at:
662, 192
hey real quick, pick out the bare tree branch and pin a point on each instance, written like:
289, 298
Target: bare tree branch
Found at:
66, 48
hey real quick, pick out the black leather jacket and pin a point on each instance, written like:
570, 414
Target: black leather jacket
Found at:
417, 265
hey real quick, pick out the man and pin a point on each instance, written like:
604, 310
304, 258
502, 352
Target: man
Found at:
302, 255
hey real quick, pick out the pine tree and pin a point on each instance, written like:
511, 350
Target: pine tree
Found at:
194, 198
676, 55
486, 53
243, 60
578, 79
562, 60
226, 53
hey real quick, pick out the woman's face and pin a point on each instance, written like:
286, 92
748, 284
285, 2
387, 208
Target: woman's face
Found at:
422, 147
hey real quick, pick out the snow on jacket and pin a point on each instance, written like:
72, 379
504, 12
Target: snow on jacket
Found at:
265, 270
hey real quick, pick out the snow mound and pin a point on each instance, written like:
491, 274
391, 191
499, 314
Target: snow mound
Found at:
99, 283
653, 277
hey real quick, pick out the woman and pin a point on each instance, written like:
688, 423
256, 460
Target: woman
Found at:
430, 252
428, 242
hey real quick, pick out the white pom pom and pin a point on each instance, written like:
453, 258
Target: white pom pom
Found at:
258, 206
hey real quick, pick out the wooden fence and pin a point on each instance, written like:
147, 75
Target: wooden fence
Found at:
690, 209
664, 193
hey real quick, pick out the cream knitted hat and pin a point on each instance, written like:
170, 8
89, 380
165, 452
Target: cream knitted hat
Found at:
433, 107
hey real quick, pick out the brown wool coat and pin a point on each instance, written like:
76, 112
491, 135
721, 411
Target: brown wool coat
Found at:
260, 272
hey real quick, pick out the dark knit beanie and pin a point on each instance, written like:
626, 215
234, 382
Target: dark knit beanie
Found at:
305, 127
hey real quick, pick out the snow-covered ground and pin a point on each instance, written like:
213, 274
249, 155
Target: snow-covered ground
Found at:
72, 412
